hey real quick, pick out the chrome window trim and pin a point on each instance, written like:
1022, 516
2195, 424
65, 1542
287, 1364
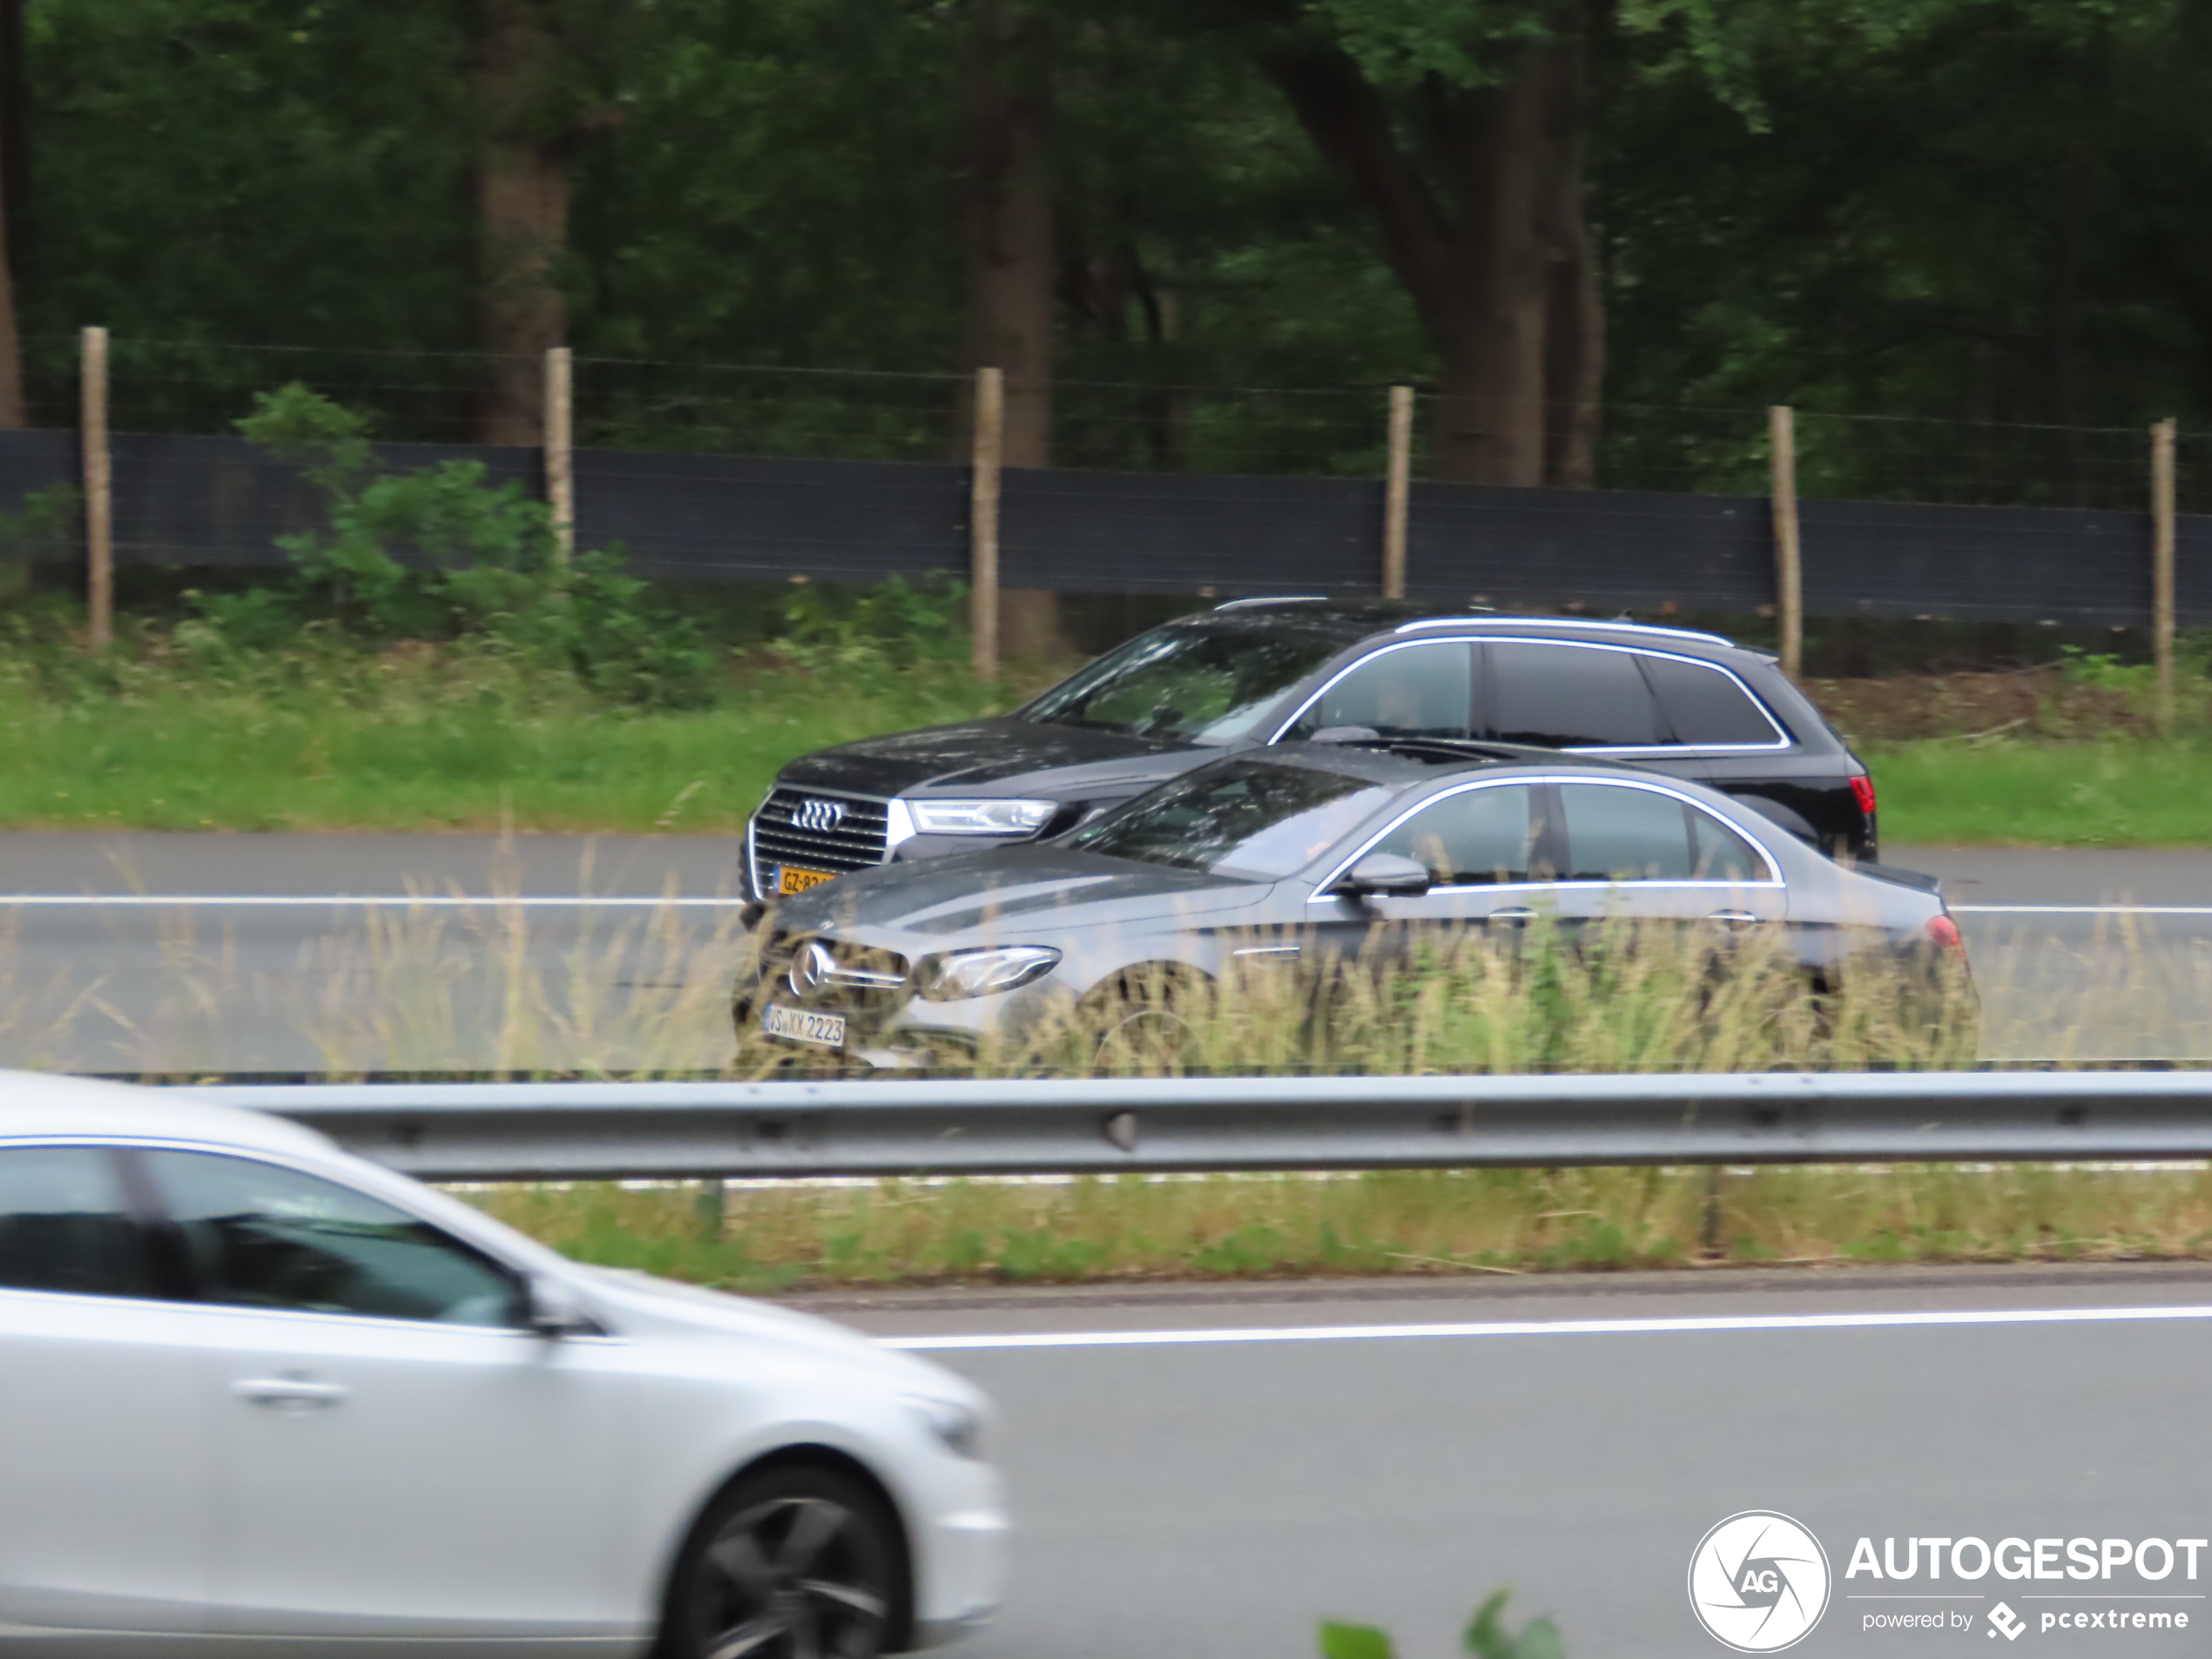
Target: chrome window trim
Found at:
1322, 689
1774, 881
1782, 741
1650, 628
1272, 599
1781, 738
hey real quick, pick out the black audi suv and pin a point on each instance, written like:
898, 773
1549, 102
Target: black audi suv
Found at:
1255, 672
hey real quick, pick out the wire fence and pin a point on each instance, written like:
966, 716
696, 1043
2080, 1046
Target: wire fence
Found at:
188, 386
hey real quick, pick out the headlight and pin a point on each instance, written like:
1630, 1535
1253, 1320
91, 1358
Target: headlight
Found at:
981, 817
979, 973
958, 1428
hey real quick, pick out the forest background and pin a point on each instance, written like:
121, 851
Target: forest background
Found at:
1986, 211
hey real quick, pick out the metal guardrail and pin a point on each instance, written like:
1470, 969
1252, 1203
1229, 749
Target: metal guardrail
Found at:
555, 1130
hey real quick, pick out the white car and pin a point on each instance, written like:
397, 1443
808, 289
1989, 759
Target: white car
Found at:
253, 1387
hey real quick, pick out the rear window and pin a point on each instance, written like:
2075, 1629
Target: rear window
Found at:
1570, 696
1705, 707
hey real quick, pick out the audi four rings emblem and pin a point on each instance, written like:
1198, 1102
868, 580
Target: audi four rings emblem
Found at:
819, 816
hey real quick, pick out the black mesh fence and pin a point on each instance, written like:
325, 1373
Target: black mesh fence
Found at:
724, 472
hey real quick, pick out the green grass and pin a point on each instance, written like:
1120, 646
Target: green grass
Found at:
1414, 1223
432, 748
2117, 792
170, 731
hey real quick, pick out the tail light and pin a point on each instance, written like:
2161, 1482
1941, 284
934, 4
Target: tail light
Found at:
1862, 791
1945, 932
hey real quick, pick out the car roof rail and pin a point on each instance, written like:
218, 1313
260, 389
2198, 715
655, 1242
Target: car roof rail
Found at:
1273, 599
1566, 622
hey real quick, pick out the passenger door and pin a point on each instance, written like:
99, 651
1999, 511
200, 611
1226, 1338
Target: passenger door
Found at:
104, 1467
1646, 851
400, 1459
1488, 850
1674, 714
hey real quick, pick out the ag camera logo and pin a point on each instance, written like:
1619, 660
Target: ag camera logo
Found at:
1758, 1581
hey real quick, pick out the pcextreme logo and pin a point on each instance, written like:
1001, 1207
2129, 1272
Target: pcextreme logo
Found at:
1758, 1581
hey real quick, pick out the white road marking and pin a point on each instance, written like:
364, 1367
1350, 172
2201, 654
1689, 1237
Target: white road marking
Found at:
1542, 1328
449, 900
2081, 910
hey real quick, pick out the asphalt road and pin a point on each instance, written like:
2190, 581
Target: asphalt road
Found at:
1195, 1475
174, 952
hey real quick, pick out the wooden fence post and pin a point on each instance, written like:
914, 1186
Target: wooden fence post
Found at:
1396, 491
983, 520
560, 451
2161, 567
1789, 570
99, 500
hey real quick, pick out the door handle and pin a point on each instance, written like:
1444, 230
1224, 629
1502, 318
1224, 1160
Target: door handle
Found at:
1733, 918
302, 1391
1515, 914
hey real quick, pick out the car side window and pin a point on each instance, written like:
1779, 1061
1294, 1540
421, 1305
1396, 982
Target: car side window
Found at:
66, 1225
1559, 695
1718, 854
259, 1235
1411, 692
1616, 832
1475, 837
1706, 707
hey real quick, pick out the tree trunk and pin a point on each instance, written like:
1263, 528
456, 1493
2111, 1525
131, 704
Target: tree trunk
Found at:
1490, 409
1008, 213
15, 198
1482, 222
1574, 305
521, 212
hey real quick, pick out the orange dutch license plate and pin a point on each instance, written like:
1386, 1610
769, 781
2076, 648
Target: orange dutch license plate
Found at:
791, 879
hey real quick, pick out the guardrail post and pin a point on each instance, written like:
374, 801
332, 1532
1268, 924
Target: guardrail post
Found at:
560, 451
99, 502
714, 1208
983, 520
2162, 580
1396, 491
1789, 584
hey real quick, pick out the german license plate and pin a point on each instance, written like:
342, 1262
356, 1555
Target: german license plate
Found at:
791, 879
800, 1025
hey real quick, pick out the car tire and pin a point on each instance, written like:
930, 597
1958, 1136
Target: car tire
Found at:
1143, 1023
793, 1562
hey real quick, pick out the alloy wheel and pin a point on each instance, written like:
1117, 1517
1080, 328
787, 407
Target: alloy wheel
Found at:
798, 1576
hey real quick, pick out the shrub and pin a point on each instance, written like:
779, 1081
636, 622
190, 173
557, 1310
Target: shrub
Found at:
441, 554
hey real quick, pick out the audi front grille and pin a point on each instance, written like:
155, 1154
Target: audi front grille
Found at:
789, 829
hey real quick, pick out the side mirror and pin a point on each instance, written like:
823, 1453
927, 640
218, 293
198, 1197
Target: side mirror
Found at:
1386, 875
552, 1310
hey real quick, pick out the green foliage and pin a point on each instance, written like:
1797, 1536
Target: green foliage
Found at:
1485, 1637
890, 626
482, 563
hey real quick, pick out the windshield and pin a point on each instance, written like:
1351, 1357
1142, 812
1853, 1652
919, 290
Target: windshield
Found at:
1186, 684
1250, 818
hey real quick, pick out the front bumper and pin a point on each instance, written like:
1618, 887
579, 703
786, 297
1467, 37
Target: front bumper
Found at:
959, 1557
